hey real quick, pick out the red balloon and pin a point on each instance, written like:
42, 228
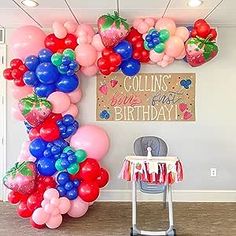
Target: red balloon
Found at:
14, 197
199, 22
115, 59
36, 225
88, 191
49, 132
213, 34
194, 33
70, 41
203, 30
16, 74
102, 63
133, 35
89, 170
54, 117
19, 82
16, 63
105, 71
34, 201
23, 210
33, 134
7, 74
23, 69
103, 179
107, 52
52, 43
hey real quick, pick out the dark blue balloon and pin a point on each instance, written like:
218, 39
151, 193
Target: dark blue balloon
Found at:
190, 28
72, 158
124, 48
47, 153
73, 65
46, 166
65, 163
61, 190
31, 62
76, 183
43, 90
66, 61
72, 194
62, 128
130, 67
61, 143
47, 73
156, 41
63, 178
70, 72
148, 38
55, 150
67, 83
68, 120
69, 185
30, 78
37, 147
63, 69
45, 55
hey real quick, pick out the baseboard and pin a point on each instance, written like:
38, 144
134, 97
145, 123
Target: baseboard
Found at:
178, 196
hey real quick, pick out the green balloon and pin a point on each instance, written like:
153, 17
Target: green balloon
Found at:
66, 149
81, 155
73, 169
164, 35
56, 59
58, 165
146, 46
159, 48
69, 53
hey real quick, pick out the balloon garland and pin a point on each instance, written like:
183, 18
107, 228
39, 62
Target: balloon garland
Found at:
58, 169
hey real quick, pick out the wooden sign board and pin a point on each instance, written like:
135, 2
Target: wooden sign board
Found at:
146, 97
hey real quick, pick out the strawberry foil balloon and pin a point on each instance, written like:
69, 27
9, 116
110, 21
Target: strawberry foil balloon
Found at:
21, 177
112, 29
35, 109
200, 51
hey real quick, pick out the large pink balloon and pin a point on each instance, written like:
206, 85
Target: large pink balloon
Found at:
71, 26
182, 32
166, 23
86, 54
21, 92
93, 139
72, 110
97, 42
89, 70
51, 193
75, 96
39, 216
54, 221
156, 57
59, 30
64, 205
174, 46
78, 208
27, 40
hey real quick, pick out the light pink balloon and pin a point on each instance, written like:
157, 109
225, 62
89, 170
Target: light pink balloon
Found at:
150, 21
168, 58
49, 208
89, 70
44, 202
21, 92
97, 42
16, 113
166, 23
39, 216
78, 208
163, 63
55, 202
182, 55
137, 22
25, 154
54, 221
51, 193
70, 26
93, 139
27, 40
174, 46
182, 32
143, 27
72, 110
75, 96
59, 30
86, 54
156, 57
64, 205
86, 29
60, 102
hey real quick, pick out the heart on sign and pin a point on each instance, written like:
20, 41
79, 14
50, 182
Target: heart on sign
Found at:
185, 83
183, 107
113, 83
187, 115
103, 89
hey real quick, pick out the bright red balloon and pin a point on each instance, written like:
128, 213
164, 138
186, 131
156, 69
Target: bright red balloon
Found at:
70, 41
115, 59
203, 30
199, 22
49, 132
213, 34
103, 179
34, 201
52, 43
7, 74
23, 210
16, 63
16, 74
19, 82
34, 133
36, 225
88, 191
14, 197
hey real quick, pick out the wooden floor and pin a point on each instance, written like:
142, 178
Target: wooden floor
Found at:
105, 219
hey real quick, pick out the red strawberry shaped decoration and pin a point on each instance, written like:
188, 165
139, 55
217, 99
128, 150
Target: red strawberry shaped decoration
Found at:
35, 109
21, 177
112, 29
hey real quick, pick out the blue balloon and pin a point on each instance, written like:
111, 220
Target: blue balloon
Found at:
63, 69
63, 178
130, 67
66, 60
47, 153
43, 90
37, 147
61, 190
76, 183
45, 55
68, 120
72, 158
124, 48
70, 72
72, 194
73, 65
47, 73
190, 28
31, 62
46, 166
69, 185
30, 78
61, 143
55, 150
65, 163
67, 83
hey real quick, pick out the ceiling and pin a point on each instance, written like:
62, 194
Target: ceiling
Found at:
11, 16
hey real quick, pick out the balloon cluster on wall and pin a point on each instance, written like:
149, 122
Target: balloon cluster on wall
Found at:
58, 170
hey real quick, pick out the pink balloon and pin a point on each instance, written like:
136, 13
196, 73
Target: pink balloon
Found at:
182, 32
143, 27
89, 70
137, 22
54, 221
75, 96
78, 208
49, 208
86, 54
64, 205
72, 110
44, 202
71, 26
87, 29
93, 139
182, 55
25, 154
166, 23
97, 42
59, 30
27, 40
156, 57
60, 102
21, 92
51, 193
39, 216
16, 113
150, 21
174, 46
55, 202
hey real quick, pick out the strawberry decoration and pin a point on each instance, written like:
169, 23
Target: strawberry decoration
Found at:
112, 29
35, 109
21, 177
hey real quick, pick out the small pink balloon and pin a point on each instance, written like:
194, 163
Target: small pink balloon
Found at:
182, 32
75, 96
89, 70
156, 57
86, 54
167, 58
166, 23
16, 113
78, 208
51, 193
88, 29
39, 216
55, 202
25, 154
60, 102
54, 221
174, 46
44, 202
150, 21
137, 22
55, 212
97, 42
59, 30
182, 55
72, 110
143, 27
70, 26
163, 63
64, 205
49, 208
21, 92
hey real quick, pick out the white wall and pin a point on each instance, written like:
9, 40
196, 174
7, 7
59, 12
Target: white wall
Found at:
208, 142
